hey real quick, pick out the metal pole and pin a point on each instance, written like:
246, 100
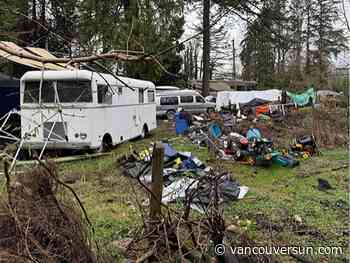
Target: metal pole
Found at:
233, 60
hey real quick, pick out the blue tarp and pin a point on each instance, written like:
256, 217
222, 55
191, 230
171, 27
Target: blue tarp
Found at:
9, 94
169, 151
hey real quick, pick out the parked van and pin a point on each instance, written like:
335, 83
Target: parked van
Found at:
189, 100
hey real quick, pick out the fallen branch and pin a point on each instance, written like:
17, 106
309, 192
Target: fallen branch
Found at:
112, 55
145, 256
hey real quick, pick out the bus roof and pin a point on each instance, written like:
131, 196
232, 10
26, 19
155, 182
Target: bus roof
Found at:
101, 78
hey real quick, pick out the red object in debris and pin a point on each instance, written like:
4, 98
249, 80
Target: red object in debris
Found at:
228, 151
243, 141
261, 110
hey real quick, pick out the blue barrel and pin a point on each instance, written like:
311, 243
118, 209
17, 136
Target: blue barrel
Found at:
181, 124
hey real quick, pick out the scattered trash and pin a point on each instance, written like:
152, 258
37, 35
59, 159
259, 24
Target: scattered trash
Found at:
184, 173
298, 219
324, 185
220, 134
341, 204
215, 130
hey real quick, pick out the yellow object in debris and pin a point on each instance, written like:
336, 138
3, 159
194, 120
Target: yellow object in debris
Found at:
284, 151
299, 146
306, 155
145, 155
178, 162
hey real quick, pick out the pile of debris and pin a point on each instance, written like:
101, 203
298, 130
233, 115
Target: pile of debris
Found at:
232, 140
182, 172
36, 227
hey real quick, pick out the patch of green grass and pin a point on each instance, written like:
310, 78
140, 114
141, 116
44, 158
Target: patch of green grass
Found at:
280, 194
277, 193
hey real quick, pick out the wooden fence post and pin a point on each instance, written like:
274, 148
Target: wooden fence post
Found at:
157, 181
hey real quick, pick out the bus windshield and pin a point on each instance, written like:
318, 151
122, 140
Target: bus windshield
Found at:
68, 91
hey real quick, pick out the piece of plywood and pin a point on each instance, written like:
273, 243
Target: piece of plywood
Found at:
25, 61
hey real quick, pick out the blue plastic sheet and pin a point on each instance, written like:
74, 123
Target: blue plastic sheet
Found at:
215, 130
253, 133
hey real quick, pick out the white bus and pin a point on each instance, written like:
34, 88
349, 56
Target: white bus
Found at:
82, 109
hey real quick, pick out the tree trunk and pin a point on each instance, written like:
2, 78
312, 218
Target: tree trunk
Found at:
206, 47
307, 66
196, 64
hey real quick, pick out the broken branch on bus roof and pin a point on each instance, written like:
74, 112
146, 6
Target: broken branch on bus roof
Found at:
115, 55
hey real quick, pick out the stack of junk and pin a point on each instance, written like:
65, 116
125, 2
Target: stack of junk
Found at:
221, 133
182, 172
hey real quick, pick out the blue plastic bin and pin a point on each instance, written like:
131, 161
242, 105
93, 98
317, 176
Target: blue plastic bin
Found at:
181, 125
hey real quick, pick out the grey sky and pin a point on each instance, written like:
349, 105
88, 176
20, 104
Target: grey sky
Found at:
236, 29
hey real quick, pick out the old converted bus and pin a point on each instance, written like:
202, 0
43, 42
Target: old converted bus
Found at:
82, 109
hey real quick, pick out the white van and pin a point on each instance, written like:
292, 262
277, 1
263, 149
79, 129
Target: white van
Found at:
82, 109
168, 103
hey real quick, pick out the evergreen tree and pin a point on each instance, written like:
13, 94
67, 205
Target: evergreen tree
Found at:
328, 40
146, 25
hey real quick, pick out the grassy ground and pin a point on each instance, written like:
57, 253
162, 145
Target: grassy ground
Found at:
284, 206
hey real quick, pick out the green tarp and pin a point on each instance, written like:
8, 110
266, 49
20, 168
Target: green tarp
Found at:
304, 98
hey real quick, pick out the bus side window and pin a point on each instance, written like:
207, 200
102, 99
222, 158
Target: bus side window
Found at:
141, 96
150, 94
104, 95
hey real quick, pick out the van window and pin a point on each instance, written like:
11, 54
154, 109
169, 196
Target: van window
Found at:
186, 99
150, 94
169, 101
141, 96
74, 91
104, 95
199, 99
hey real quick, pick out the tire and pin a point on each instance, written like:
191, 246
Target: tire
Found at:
145, 132
170, 114
106, 144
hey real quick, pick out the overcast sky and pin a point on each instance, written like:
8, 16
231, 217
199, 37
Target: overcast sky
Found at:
236, 29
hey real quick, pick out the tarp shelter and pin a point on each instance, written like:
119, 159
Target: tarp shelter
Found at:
255, 103
9, 94
225, 98
304, 98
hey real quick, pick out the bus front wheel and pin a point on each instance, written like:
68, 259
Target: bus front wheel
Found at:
145, 131
106, 144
